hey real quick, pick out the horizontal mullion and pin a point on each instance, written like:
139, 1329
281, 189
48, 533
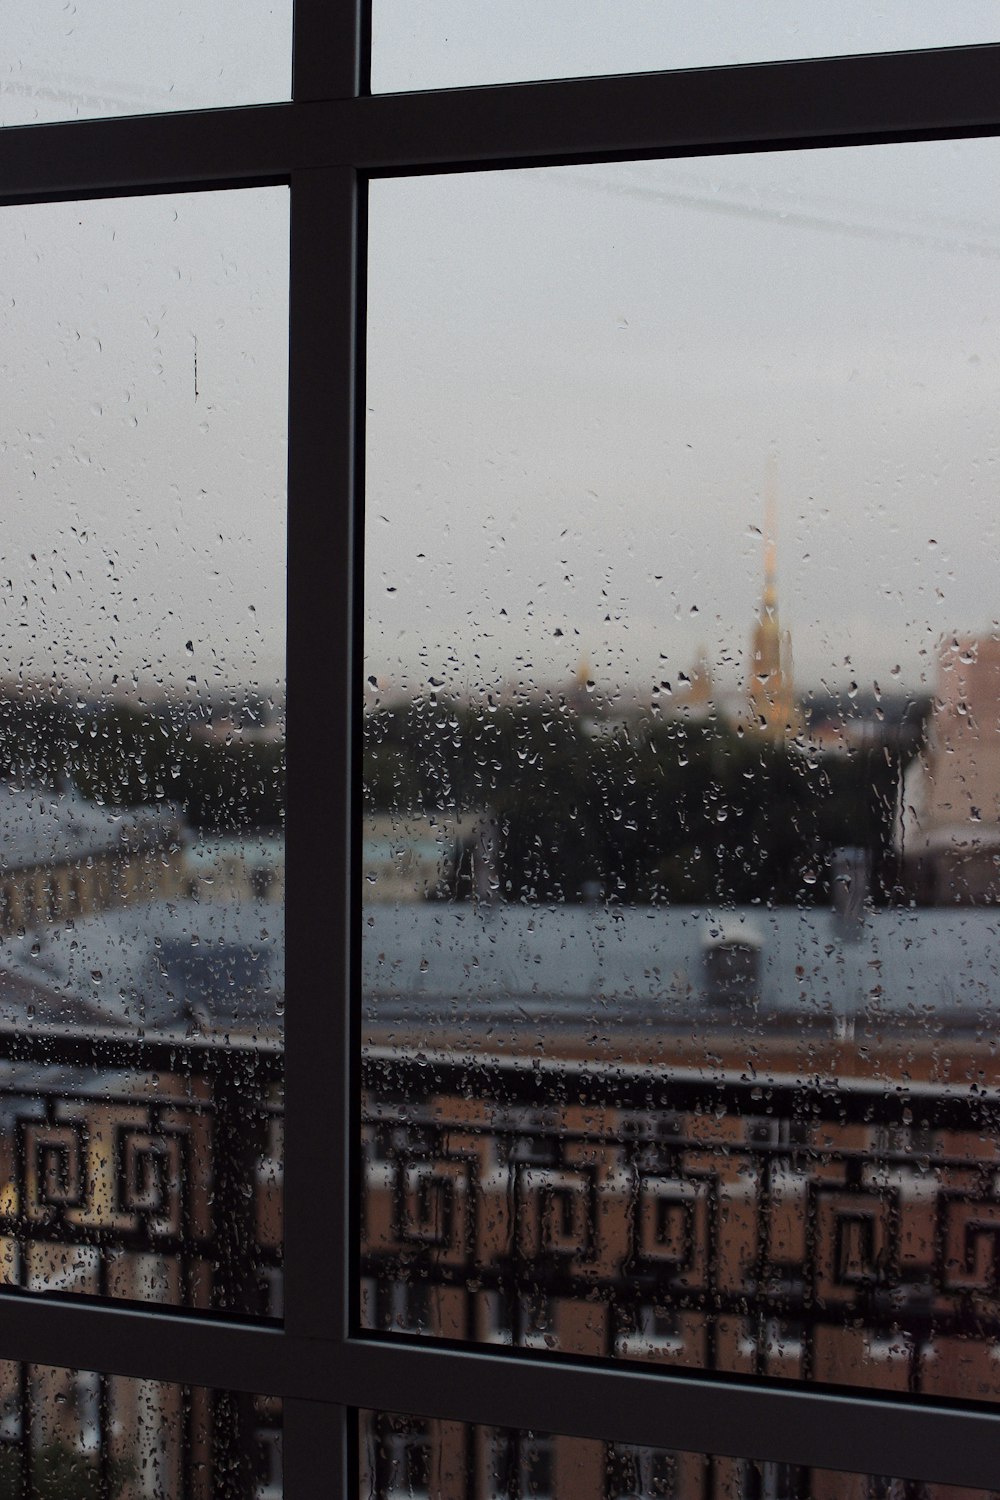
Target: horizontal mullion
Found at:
128, 155
819, 102
897, 1436
854, 1432
147, 1342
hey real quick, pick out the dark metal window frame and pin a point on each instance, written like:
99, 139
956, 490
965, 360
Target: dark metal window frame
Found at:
325, 144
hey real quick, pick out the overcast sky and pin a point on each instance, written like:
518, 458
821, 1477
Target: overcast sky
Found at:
451, 43
143, 385
576, 376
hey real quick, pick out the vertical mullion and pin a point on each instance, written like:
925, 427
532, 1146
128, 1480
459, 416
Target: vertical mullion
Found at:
319, 1447
326, 295
331, 49
322, 689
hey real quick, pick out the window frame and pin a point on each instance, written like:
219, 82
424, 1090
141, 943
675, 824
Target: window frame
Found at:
324, 145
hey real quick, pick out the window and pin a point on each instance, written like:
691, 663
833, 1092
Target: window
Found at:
428, 1389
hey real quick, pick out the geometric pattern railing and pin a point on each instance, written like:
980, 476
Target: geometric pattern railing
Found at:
123, 1150
773, 1228
145, 1169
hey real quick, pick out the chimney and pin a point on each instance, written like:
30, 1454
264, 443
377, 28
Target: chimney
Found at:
850, 881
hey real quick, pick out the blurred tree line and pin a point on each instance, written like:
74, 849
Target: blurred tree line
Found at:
125, 756
658, 810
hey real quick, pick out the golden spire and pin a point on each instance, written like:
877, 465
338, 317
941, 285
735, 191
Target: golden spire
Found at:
770, 599
701, 686
578, 693
773, 710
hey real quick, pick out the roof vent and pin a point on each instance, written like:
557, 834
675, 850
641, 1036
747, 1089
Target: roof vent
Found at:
850, 880
730, 956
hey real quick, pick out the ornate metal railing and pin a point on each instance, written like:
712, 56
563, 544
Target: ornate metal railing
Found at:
839, 1232
144, 1168
777, 1226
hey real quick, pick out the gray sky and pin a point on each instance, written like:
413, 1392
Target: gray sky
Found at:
451, 43
65, 58
576, 376
142, 522
61, 59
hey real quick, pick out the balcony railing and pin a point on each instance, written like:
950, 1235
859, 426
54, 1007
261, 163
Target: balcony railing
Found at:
843, 1232
144, 1168
778, 1226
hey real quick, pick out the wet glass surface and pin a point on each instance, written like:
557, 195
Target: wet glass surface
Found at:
77, 1435
142, 747
455, 43
410, 1456
107, 57
681, 788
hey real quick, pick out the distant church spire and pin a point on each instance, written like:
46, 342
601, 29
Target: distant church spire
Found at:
579, 693
770, 599
773, 710
701, 687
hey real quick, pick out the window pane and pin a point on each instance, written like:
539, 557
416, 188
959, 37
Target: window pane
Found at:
78, 1435
141, 747
418, 44
412, 1457
680, 954
109, 57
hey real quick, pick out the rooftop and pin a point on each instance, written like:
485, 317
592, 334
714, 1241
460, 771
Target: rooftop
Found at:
43, 826
435, 962
204, 966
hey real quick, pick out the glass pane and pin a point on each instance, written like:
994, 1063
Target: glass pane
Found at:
142, 747
412, 1457
77, 1435
434, 44
680, 954
109, 57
